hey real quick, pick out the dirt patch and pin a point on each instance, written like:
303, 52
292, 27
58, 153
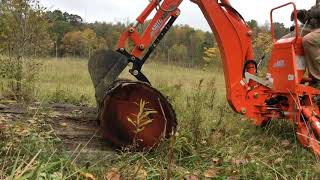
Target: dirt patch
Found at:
72, 124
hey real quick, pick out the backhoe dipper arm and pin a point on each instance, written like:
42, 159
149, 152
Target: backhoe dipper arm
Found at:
168, 10
230, 30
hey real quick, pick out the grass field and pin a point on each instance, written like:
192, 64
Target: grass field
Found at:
212, 141
72, 78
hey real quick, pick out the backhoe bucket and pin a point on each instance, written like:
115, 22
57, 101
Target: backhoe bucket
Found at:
104, 67
129, 112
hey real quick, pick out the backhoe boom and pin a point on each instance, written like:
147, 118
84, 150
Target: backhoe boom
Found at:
230, 30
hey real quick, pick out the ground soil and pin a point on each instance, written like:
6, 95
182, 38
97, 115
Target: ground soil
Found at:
72, 124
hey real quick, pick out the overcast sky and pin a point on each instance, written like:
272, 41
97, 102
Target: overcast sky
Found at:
120, 10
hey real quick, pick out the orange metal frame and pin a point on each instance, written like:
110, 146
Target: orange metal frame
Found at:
288, 97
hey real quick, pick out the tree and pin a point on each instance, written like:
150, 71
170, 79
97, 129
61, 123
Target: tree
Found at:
81, 43
262, 44
211, 55
23, 35
24, 29
72, 43
73, 19
178, 53
89, 40
196, 38
280, 30
253, 24
55, 15
59, 25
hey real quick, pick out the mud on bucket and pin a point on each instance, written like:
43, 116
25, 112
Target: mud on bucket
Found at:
130, 112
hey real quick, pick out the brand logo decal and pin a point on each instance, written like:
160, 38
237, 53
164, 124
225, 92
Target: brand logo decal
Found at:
158, 24
279, 64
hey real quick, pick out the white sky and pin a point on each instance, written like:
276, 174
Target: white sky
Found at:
121, 10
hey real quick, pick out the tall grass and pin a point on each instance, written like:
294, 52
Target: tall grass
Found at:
211, 140
68, 80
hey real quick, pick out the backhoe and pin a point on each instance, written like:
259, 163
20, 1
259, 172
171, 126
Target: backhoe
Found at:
135, 112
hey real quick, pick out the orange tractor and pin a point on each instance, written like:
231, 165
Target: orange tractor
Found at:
284, 92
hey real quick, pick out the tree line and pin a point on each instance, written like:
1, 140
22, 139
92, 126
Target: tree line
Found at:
28, 31
60, 34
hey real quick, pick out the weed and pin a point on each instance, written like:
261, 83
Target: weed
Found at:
18, 77
67, 96
141, 120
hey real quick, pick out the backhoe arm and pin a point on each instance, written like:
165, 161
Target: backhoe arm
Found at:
168, 10
280, 95
229, 28
160, 24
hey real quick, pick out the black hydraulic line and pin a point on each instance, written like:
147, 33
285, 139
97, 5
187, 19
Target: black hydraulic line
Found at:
138, 63
159, 38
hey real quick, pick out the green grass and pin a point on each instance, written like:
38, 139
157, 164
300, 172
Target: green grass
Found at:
71, 78
210, 135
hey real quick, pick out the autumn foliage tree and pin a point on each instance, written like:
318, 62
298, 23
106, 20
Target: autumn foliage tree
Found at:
211, 55
90, 41
81, 43
61, 23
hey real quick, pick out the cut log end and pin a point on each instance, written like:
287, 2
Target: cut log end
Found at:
135, 113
